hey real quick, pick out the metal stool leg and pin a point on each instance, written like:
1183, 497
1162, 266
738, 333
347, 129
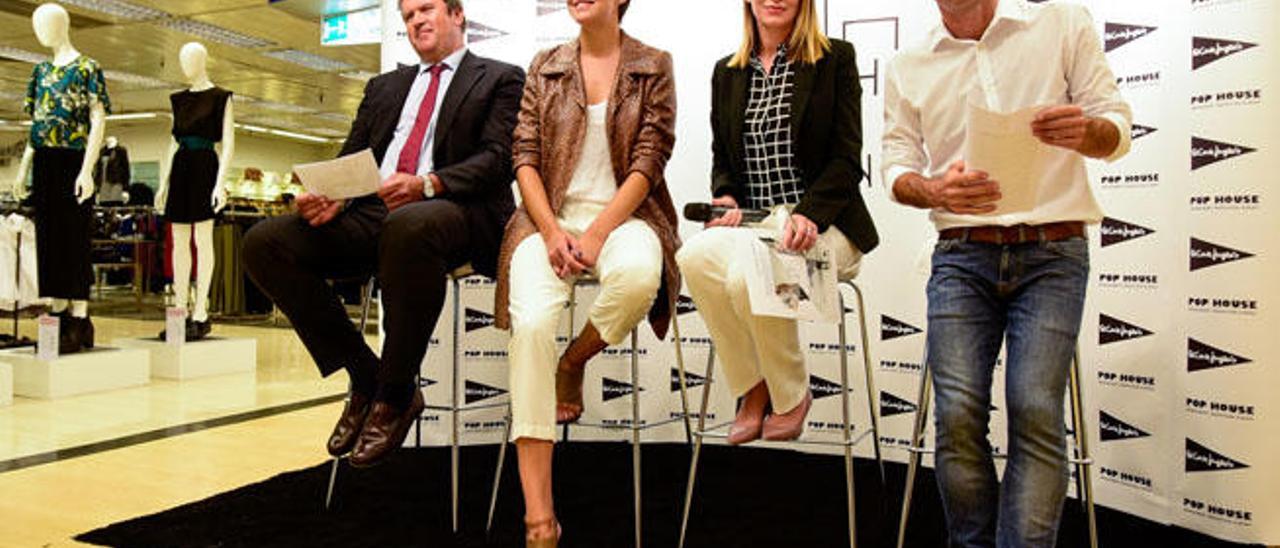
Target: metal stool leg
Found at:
573, 307
497, 473
684, 393
635, 431
848, 436
867, 370
367, 294
1084, 482
333, 479
916, 449
697, 446
453, 412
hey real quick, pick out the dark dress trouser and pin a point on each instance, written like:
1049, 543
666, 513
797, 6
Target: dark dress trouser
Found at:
411, 250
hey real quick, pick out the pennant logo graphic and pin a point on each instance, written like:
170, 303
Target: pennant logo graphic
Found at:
892, 329
1209, 50
891, 405
1115, 231
1119, 34
1206, 152
1114, 330
1139, 131
1113, 429
690, 380
684, 305
1201, 356
550, 6
477, 32
474, 392
822, 388
1206, 254
476, 319
613, 390
1203, 459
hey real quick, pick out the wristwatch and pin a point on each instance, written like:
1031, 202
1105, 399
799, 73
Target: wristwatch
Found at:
428, 187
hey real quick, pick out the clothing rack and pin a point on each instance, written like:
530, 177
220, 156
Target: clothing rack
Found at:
13, 340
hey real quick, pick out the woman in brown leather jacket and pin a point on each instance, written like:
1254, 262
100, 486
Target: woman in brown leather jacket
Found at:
596, 127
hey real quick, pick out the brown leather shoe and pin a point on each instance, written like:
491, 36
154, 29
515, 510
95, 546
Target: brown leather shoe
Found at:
347, 431
384, 431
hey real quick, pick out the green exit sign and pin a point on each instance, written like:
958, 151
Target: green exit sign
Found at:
352, 28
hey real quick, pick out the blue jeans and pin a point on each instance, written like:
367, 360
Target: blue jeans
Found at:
1030, 296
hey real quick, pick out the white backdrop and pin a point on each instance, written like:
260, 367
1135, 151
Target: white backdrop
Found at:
1178, 338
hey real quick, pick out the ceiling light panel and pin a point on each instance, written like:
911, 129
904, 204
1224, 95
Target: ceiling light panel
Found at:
358, 75
333, 117
215, 33
327, 132
119, 9
282, 107
9, 52
309, 60
137, 80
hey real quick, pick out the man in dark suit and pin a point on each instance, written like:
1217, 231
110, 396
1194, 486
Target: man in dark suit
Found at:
441, 132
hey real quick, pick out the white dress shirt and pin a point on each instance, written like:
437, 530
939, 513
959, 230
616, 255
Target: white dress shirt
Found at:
409, 115
1030, 55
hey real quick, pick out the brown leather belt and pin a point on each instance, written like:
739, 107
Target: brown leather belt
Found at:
1016, 234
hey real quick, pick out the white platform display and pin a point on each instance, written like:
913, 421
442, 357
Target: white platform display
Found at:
203, 358
6, 384
89, 371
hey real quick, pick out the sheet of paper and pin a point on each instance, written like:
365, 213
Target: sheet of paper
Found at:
350, 176
1002, 145
793, 286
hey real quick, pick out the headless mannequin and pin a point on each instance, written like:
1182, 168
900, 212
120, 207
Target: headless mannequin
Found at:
111, 145
51, 24
194, 60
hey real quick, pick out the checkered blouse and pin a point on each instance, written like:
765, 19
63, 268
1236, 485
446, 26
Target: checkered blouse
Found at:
772, 174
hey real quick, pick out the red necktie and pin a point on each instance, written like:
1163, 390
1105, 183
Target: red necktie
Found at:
409, 155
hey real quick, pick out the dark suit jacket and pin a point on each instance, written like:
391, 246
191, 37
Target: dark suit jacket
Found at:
472, 147
826, 131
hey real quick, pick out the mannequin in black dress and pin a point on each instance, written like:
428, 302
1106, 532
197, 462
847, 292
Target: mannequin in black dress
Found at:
192, 190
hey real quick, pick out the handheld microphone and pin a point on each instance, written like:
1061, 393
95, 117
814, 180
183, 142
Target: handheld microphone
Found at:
702, 212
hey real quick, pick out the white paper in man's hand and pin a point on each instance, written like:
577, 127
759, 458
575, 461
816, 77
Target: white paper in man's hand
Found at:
1002, 145
350, 176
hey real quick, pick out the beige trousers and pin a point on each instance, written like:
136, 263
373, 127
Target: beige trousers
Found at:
629, 270
751, 348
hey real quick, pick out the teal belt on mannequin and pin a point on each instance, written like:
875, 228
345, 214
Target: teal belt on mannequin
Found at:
191, 142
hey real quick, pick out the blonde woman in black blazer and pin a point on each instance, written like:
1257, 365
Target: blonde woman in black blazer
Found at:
787, 136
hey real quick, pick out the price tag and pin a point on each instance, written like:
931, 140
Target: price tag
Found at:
175, 326
47, 338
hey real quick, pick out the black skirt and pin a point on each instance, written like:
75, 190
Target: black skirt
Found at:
63, 225
191, 181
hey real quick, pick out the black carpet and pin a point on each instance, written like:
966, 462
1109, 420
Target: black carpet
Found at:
745, 497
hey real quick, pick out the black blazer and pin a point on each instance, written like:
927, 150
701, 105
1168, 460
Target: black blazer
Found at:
826, 131
472, 146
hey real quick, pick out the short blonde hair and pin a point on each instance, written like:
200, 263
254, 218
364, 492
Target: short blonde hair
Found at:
807, 42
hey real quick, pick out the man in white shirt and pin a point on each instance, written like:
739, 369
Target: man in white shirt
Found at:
441, 131
1018, 275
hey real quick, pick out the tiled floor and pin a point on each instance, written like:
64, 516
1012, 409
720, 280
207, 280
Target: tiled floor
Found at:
47, 503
